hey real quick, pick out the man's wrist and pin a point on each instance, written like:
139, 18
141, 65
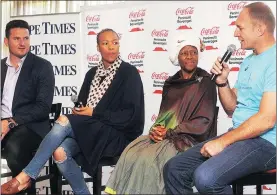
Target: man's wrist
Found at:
11, 123
224, 141
222, 84
227, 138
220, 81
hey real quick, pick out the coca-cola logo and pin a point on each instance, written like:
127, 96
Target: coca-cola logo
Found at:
135, 56
154, 117
239, 52
211, 31
93, 58
161, 76
236, 6
95, 18
186, 11
137, 14
161, 33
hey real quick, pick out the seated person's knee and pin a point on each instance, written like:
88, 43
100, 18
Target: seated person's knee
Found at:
204, 180
13, 150
59, 155
15, 153
62, 120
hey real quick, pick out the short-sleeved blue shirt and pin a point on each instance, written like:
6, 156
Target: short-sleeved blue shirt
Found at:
257, 75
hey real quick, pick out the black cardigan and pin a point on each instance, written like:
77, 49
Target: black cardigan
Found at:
117, 120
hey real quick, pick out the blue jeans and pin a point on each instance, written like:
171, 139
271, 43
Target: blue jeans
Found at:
60, 136
214, 175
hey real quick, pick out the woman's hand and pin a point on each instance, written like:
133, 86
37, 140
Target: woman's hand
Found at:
157, 133
87, 111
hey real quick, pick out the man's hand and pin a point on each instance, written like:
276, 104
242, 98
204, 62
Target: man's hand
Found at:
5, 128
157, 133
87, 111
222, 71
212, 148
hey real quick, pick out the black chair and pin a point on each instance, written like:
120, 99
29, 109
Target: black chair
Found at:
53, 116
111, 161
97, 178
257, 179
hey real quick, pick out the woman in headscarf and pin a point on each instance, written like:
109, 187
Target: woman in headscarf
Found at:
112, 117
186, 114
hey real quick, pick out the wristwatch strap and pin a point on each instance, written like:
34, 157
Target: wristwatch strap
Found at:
222, 84
10, 120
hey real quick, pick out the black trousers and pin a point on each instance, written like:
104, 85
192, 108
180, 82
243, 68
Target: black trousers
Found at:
18, 148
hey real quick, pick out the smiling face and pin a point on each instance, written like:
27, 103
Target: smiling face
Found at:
246, 31
18, 42
108, 47
188, 58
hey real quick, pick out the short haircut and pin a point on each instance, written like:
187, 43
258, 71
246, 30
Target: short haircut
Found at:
261, 12
16, 24
105, 30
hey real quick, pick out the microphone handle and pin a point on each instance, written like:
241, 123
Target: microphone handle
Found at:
225, 59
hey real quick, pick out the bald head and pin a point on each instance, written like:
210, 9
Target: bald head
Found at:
261, 13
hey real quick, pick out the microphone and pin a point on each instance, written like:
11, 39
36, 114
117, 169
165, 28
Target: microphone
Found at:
77, 105
230, 49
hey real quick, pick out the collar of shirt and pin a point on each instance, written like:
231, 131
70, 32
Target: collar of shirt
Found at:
9, 64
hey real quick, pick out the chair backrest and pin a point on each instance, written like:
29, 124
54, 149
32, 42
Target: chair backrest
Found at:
54, 113
213, 130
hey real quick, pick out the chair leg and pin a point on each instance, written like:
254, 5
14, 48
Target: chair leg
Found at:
237, 189
97, 181
55, 178
259, 189
59, 183
32, 189
234, 187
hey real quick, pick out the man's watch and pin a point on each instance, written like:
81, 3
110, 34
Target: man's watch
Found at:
11, 123
222, 84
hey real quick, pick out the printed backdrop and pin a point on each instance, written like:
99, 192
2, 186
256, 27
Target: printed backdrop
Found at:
148, 31
57, 39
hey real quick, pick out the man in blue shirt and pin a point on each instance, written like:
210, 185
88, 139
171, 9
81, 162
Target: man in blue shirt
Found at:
211, 166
